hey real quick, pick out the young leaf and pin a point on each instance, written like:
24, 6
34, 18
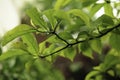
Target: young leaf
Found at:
16, 32
11, 53
80, 14
108, 10
114, 41
30, 41
95, 8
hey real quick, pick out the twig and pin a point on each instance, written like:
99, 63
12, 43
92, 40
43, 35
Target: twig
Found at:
99, 36
54, 32
70, 44
60, 38
99, 30
54, 52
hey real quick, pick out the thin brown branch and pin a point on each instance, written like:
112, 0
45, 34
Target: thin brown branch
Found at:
71, 44
54, 52
99, 36
61, 38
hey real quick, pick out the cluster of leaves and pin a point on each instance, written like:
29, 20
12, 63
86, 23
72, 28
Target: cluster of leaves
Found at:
69, 30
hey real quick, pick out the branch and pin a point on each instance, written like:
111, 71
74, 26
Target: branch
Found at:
59, 21
71, 44
54, 32
54, 52
99, 30
60, 38
99, 36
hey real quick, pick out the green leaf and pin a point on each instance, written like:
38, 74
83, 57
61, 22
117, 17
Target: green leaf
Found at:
80, 14
42, 46
99, 77
29, 64
108, 10
110, 62
61, 3
114, 41
47, 48
31, 42
60, 14
76, 28
70, 53
53, 39
66, 2
96, 45
34, 15
104, 21
16, 32
65, 35
118, 69
52, 48
111, 72
0, 50
37, 18
47, 72
11, 53
51, 19
77, 32
75, 66
91, 74
86, 3
18, 45
96, 7
86, 49
58, 4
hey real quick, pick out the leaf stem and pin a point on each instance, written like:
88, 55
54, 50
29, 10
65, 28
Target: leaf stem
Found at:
59, 21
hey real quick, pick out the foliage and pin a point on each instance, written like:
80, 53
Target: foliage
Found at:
69, 29
16, 68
